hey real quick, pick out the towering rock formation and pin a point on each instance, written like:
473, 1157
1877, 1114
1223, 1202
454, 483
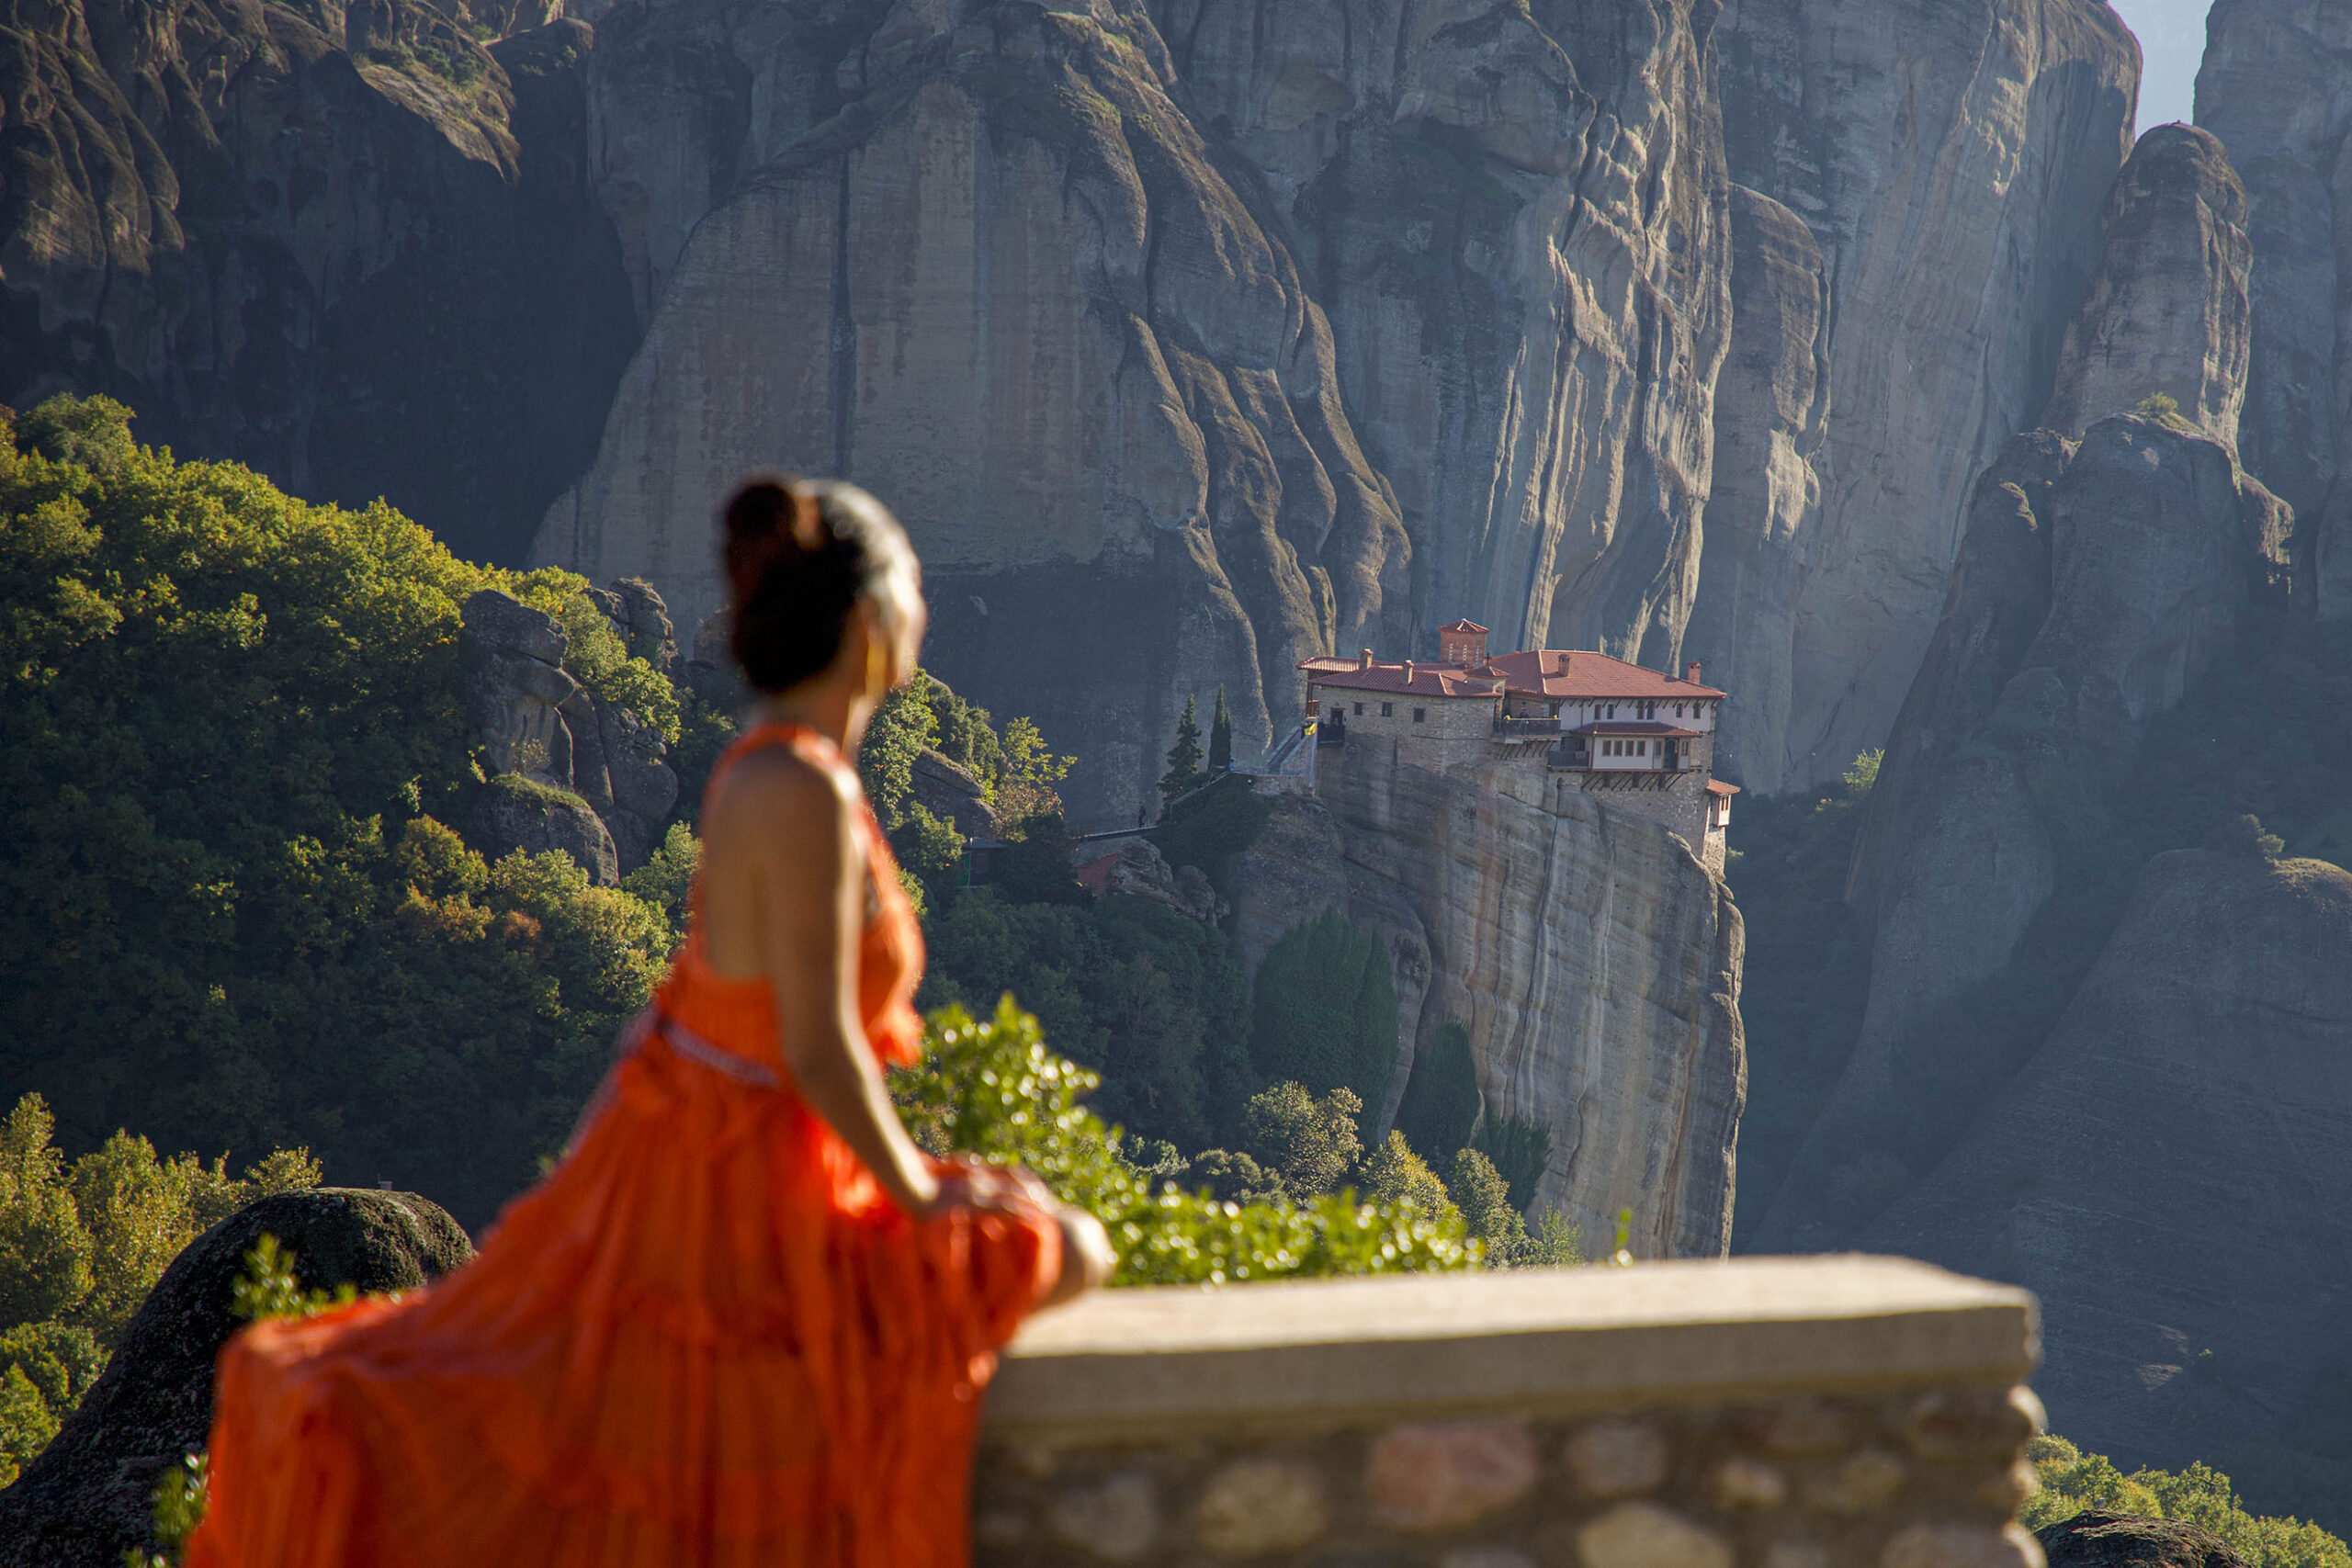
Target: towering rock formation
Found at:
1951, 157
2095, 581
2146, 544
2167, 1174
2275, 86
2168, 313
1764, 517
353, 248
1592, 959
1515, 219
1087, 351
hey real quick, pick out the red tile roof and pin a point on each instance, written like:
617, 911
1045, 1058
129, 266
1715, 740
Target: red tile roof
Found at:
1546, 672
1464, 627
1429, 680
1717, 786
1580, 675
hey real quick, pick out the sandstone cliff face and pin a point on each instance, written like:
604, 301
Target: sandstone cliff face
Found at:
1515, 219
2166, 1174
1764, 516
2147, 545
2275, 86
1011, 284
356, 248
1593, 960
2167, 312
1951, 158
1135, 386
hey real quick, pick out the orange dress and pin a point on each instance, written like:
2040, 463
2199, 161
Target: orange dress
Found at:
707, 1338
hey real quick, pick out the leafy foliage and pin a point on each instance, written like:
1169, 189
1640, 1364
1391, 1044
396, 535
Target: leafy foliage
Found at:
1220, 735
1212, 827
2073, 1481
1183, 754
1326, 1010
1310, 1143
229, 914
1441, 1103
80, 1244
1129, 988
993, 1090
1025, 782
902, 728
1395, 1175
1488, 1209
595, 657
1519, 1150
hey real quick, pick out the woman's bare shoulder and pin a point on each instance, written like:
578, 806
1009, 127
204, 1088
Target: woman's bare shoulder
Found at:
776, 781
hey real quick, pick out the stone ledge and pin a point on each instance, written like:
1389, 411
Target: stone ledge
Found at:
1563, 1341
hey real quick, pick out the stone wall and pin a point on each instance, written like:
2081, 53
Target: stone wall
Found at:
1778, 1412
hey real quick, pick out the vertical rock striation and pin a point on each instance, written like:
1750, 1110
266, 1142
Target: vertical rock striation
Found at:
2148, 551
2167, 312
2275, 86
1011, 284
1515, 218
1951, 158
1764, 516
355, 249
2097, 580
1594, 962
1182, 392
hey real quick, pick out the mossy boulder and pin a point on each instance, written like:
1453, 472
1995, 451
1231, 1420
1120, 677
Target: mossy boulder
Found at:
86, 1500
2099, 1539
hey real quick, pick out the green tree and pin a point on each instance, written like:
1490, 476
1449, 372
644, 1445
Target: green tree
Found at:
1310, 1143
1184, 756
665, 880
1441, 1103
902, 728
1028, 773
992, 1088
1220, 735
230, 916
1395, 1175
2073, 1481
1326, 1010
1520, 1150
46, 1252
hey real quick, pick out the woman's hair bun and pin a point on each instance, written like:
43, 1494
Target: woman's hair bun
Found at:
800, 555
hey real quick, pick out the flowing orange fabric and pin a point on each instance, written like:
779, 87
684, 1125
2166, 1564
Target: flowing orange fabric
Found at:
707, 1338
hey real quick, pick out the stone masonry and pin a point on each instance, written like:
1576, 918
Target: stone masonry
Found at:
1648, 1437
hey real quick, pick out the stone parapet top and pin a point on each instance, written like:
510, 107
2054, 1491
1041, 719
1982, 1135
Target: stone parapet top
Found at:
1553, 1341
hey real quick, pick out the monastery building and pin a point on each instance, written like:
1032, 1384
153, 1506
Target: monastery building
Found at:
1598, 724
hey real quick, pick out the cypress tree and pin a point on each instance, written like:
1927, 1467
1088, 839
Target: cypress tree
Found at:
1221, 735
1184, 757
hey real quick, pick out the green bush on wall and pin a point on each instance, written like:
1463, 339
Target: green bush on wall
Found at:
1326, 1011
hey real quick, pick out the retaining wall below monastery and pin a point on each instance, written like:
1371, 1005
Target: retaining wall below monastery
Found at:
1763, 1413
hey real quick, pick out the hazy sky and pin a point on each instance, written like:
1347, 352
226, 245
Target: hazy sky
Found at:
2172, 38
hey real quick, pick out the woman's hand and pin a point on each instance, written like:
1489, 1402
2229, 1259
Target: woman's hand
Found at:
1087, 1257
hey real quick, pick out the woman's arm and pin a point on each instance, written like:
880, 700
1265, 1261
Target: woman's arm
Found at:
810, 879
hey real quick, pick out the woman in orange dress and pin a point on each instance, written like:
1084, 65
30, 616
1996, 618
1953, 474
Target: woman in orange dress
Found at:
745, 1321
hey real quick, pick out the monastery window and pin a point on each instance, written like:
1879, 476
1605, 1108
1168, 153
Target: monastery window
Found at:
1420, 715
1388, 710
1359, 710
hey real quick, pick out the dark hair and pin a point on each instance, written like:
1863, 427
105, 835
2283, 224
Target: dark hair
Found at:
799, 557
